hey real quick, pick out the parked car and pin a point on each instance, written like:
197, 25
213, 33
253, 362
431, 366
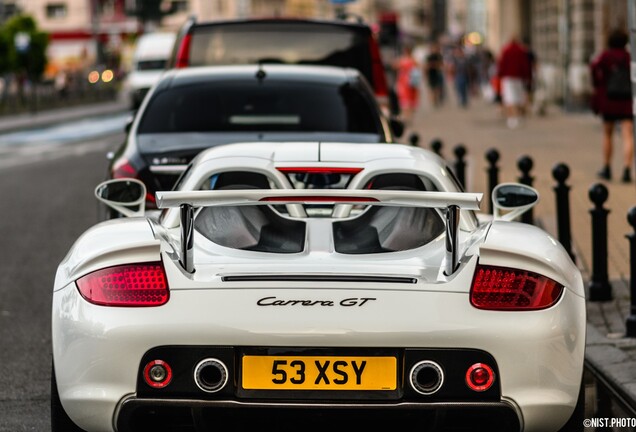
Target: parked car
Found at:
150, 58
250, 303
341, 43
195, 108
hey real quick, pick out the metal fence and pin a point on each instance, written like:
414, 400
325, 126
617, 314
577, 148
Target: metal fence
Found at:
46, 96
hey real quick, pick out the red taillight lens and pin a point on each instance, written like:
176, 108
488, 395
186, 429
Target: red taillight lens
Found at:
501, 288
123, 169
480, 377
183, 54
137, 285
377, 69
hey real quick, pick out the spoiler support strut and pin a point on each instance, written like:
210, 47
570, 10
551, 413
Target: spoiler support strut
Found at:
187, 237
452, 228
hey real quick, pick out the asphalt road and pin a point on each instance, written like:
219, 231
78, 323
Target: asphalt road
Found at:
46, 201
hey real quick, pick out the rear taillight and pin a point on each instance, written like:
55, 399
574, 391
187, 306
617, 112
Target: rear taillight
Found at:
377, 70
501, 288
183, 54
123, 169
138, 285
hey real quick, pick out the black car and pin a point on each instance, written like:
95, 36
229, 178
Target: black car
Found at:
341, 43
193, 109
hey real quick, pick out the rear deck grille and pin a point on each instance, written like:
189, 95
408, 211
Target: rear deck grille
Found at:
319, 278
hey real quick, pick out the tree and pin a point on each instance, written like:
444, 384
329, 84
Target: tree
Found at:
23, 47
4, 53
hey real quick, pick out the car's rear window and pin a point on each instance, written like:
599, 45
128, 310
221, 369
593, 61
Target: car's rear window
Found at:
266, 106
290, 43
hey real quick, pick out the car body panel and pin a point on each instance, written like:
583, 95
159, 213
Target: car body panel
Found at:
199, 317
100, 245
544, 254
398, 301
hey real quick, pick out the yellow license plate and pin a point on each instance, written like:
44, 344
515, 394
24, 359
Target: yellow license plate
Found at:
319, 373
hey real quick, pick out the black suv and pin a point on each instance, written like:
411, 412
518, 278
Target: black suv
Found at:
282, 40
192, 109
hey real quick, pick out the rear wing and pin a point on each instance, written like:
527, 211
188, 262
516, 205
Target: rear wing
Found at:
187, 201
463, 200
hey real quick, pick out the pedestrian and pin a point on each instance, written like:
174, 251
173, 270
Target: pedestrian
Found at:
612, 100
460, 72
434, 68
408, 82
514, 72
487, 69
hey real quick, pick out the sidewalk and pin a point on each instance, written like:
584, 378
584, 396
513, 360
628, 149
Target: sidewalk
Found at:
573, 139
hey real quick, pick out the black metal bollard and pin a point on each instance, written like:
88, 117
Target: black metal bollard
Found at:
630, 322
492, 156
525, 164
561, 172
460, 164
437, 145
414, 139
600, 288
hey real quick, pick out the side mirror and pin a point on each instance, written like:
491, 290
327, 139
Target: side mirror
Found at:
511, 200
397, 126
126, 195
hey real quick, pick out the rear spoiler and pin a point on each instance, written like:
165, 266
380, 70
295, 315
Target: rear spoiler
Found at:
188, 200
463, 200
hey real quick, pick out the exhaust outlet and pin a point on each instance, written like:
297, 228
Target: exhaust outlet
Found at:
210, 375
426, 377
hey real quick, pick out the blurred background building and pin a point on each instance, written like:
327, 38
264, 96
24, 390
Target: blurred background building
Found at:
564, 34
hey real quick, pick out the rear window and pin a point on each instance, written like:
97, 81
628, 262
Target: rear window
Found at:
290, 43
239, 106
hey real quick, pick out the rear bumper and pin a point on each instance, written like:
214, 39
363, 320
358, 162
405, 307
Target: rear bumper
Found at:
98, 351
198, 415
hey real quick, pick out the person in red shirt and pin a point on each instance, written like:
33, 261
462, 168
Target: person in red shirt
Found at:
409, 76
614, 108
514, 71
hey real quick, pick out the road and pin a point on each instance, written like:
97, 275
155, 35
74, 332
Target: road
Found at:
46, 196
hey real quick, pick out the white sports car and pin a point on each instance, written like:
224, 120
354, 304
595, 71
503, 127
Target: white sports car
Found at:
296, 286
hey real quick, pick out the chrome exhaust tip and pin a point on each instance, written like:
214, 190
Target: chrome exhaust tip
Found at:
210, 375
426, 377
